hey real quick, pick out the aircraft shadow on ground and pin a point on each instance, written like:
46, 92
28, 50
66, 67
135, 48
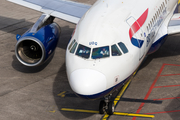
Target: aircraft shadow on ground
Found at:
173, 106
25, 69
169, 48
14, 26
141, 100
70, 100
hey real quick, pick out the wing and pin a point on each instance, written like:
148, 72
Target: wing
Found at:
63, 9
174, 24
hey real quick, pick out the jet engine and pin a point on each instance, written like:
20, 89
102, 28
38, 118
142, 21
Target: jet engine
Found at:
37, 45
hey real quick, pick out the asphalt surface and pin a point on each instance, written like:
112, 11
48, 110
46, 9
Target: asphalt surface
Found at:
40, 93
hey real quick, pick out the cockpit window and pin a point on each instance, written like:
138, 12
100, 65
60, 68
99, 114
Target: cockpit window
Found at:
71, 44
83, 51
115, 51
101, 52
123, 47
73, 48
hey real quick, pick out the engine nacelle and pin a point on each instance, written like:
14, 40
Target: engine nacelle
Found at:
36, 45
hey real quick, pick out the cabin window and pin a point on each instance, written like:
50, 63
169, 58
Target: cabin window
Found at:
149, 26
71, 44
159, 11
83, 51
73, 48
154, 19
101, 52
156, 16
123, 47
163, 5
115, 51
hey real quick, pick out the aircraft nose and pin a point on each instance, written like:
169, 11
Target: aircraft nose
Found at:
87, 81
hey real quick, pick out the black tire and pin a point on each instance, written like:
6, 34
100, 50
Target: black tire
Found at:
102, 107
110, 110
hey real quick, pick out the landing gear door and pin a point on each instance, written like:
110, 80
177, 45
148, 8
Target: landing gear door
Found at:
136, 35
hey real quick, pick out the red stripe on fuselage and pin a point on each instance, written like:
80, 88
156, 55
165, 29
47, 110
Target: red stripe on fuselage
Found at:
138, 24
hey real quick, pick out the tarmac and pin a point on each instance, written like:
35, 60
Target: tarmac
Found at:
43, 93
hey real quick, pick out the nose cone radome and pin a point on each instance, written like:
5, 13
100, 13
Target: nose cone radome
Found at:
87, 82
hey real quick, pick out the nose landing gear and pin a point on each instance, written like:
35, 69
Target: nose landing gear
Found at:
106, 106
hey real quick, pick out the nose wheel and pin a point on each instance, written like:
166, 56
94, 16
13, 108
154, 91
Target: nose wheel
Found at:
110, 108
102, 107
106, 106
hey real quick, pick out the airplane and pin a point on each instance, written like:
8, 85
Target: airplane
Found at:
110, 41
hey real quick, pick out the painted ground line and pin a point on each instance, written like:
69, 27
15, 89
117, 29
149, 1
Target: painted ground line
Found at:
173, 111
115, 113
62, 94
170, 75
166, 86
170, 64
167, 98
150, 89
79, 110
118, 97
134, 115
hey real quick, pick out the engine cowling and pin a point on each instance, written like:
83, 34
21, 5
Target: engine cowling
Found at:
36, 45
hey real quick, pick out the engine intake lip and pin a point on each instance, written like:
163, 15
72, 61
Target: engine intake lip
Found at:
25, 51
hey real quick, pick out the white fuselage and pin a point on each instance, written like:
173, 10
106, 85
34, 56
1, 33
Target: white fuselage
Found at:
130, 26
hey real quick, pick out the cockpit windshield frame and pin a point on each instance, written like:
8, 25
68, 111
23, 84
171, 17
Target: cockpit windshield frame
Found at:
73, 47
100, 52
123, 47
115, 50
72, 43
83, 51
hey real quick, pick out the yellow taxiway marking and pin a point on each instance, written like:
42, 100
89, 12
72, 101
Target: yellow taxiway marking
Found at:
118, 97
62, 94
134, 115
79, 110
52, 111
116, 100
178, 1
106, 116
